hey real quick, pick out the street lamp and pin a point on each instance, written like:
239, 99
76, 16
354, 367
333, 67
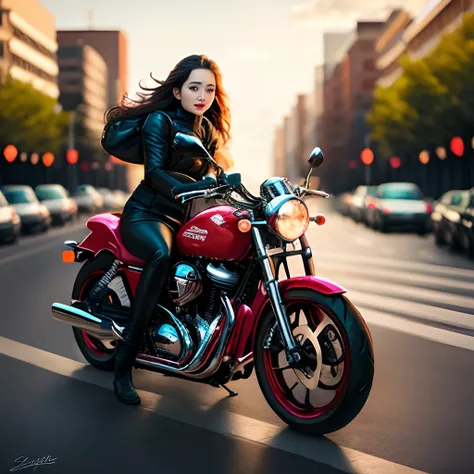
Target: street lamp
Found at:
441, 152
367, 157
424, 157
10, 153
34, 158
48, 159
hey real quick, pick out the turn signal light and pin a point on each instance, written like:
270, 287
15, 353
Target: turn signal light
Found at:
320, 220
69, 256
244, 225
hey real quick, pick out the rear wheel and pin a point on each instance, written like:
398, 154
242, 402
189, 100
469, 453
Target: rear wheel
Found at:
100, 354
339, 350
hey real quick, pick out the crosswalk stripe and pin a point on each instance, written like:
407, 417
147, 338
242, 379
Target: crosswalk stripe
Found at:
417, 279
413, 293
424, 268
394, 323
419, 311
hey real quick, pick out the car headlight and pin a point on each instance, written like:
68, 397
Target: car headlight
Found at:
288, 217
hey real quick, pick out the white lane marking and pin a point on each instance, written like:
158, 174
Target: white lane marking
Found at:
394, 323
29, 253
410, 308
363, 241
219, 421
406, 278
428, 268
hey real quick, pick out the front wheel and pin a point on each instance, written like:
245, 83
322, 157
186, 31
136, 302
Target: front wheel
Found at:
339, 351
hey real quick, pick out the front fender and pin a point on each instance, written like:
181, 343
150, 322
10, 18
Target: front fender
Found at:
311, 282
262, 302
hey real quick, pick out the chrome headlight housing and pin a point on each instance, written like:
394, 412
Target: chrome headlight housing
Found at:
288, 217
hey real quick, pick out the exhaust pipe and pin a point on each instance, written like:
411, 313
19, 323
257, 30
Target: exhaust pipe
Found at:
100, 328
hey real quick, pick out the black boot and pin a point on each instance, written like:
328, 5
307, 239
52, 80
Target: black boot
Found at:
123, 384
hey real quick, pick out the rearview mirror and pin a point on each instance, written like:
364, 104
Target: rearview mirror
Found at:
315, 159
192, 144
189, 143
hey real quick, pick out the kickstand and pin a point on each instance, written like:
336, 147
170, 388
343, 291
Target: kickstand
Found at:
231, 393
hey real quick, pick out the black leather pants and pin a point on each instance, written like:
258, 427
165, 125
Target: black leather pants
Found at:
146, 237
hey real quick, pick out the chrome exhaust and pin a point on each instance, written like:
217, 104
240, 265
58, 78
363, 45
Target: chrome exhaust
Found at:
93, 325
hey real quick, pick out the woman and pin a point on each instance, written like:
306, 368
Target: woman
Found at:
193, 98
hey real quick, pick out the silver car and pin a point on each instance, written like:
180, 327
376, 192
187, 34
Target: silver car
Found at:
62, 208
34, 215
400, 205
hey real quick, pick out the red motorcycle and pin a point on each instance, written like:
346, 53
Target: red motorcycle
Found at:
230, 304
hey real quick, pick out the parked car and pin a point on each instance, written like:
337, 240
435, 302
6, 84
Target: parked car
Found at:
61, 207
34, 215
111, 203
400, 205
88, 199
10, 222
122, 197
360, 201
343, 203
453, 220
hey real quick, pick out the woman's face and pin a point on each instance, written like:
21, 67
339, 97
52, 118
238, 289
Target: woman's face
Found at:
198, 92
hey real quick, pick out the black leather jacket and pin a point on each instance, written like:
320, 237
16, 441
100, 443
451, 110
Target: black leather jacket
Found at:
165, 167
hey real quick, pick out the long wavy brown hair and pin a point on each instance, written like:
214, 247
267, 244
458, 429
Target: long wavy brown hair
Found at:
161, 97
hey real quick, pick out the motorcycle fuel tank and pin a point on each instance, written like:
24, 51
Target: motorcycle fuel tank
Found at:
214, 233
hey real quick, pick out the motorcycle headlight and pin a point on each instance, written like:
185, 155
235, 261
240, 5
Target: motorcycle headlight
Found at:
288, 217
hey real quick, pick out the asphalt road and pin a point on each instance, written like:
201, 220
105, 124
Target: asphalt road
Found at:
419, 304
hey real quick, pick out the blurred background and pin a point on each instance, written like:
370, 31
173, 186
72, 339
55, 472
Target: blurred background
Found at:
385, 90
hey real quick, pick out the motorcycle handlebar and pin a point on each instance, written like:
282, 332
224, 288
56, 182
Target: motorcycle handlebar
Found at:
202, 185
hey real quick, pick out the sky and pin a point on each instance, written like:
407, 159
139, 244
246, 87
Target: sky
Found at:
267, 51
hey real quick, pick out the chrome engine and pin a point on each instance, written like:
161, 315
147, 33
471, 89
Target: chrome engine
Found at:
186, 284
187, 332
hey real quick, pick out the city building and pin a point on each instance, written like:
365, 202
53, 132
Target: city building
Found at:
112, 45
83, 78
335, 44
279, 168
28, 45
416, 36
348, 96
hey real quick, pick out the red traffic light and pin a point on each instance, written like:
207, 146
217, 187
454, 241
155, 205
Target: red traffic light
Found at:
72, 156
395, 162
457, 146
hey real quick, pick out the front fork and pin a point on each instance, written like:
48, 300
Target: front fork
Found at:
292, 350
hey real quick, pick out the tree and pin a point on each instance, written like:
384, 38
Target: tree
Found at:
28, 118
432, 101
